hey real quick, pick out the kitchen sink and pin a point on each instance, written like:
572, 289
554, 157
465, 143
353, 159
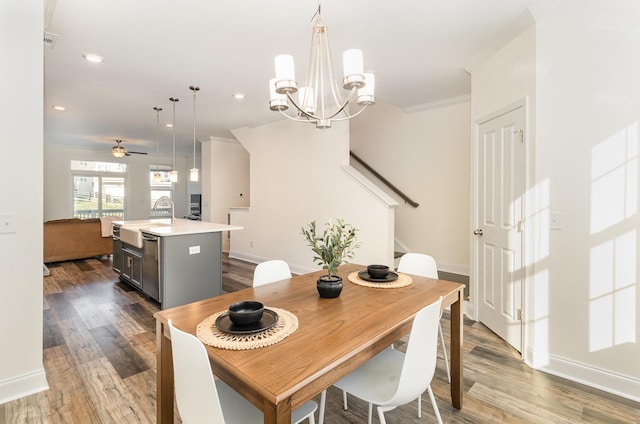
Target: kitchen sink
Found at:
131, 234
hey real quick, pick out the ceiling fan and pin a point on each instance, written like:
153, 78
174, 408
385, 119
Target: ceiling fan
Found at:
119, 151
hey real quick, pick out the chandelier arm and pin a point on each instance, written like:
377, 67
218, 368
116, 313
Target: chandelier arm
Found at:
344, 118
293, 118
301, 110
320, 76
344, 105
332, 74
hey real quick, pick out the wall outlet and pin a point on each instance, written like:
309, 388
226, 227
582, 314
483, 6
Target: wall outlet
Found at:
194, 250
251, 243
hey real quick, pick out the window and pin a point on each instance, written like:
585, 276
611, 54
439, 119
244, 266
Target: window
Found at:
98, 189
159, 189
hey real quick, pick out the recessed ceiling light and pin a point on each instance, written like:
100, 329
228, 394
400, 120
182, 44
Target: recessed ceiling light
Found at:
60, 108
168, 125
93, 58
238, 96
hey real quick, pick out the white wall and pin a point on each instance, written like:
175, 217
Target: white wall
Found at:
225, 181
21, 369
425, 154
583, 314
588, 108
299, 174
58, 181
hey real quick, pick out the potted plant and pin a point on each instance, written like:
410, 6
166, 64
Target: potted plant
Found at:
336, 244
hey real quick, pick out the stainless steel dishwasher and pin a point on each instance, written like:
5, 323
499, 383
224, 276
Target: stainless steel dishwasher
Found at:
150, 270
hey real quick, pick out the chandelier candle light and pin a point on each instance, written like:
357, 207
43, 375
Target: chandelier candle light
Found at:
156, 175
173, 175
193, 174
312, 100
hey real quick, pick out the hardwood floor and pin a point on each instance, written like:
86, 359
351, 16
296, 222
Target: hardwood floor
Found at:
99, 354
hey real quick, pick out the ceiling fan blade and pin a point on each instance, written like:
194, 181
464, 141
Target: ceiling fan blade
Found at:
136, 153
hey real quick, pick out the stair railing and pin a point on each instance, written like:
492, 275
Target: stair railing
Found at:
386, 182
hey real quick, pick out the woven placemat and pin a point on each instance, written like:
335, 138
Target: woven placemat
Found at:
402, 281
209, 334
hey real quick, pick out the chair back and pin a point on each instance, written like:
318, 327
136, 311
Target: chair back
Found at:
420, 359
418, 264
196, 393
270, 271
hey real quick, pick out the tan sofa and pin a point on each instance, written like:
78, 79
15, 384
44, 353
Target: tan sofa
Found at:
69, 239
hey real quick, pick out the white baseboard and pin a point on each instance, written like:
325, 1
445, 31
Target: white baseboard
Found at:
23, 385
453, 268
607, 381
254, 259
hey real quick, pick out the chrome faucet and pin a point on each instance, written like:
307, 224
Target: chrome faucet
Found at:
165, 200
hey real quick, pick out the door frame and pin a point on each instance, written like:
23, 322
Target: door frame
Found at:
528, 270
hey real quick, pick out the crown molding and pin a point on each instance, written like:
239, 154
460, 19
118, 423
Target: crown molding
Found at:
451, 101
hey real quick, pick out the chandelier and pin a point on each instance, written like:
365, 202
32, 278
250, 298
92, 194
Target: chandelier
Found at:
320, 100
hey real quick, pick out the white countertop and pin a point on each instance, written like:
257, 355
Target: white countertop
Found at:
163, 227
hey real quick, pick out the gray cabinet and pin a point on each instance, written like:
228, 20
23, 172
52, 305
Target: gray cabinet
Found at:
190, 268
117, 255
132, 265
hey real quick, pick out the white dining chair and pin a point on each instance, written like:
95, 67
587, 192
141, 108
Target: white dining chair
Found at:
424, 266
203, 399
270, 271
393, 378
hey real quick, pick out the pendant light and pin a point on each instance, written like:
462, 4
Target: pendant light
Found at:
173, 175
193, 174
156, 175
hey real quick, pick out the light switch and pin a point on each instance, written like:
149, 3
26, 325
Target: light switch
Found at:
194, 250
8, 223
555, 221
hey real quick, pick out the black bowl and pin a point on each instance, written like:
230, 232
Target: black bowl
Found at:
246, 312
378, 271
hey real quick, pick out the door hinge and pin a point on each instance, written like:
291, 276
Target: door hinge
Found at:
519, 315
520, 226
521, 132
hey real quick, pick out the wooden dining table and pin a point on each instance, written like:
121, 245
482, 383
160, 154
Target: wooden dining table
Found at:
334, 336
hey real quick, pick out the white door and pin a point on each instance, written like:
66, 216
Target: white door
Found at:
499, 213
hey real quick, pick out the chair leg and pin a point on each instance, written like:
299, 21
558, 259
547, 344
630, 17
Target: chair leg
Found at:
444, 352
371, 413
380, 416
435, 406
323, 401
420, 406
344, 400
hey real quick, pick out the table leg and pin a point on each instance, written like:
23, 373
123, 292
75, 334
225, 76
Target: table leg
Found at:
164, 376
278, 414
457, 381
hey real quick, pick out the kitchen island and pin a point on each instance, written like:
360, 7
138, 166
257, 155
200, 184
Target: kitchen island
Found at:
173, 263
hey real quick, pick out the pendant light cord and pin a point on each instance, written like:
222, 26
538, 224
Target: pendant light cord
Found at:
157, 109
174, 100
195, 89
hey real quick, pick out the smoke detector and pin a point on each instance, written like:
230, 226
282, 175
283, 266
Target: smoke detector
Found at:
50, 39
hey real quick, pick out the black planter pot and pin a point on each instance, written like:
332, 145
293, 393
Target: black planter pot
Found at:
329, 286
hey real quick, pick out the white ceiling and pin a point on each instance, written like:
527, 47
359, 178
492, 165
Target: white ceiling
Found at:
155, 49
